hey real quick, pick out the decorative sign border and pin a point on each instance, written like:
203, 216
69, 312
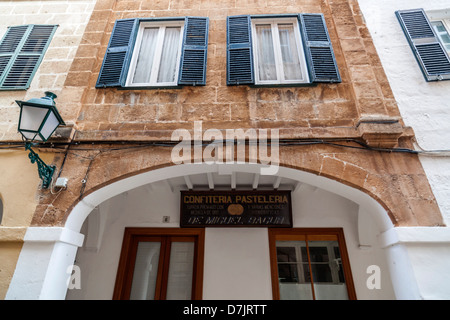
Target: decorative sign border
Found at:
236, 209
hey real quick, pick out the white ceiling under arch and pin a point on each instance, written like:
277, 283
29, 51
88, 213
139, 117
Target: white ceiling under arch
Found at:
226, 176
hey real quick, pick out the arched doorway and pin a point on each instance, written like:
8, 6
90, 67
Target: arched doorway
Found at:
152, 200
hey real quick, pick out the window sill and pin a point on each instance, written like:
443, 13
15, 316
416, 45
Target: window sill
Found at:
283, 85
13, 89
150, 87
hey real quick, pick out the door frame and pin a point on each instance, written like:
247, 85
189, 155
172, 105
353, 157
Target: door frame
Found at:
131, 238
290, 234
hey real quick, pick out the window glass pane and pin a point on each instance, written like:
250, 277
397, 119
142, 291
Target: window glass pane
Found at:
146, 55
145, 271
179, 285
266, 56
326, 266
442, 33
289, 52
169, 55
337, 256
320, 264
293, 271
287, 267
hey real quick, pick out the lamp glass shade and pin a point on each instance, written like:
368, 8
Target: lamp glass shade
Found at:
39, 118
49, 126
31, 119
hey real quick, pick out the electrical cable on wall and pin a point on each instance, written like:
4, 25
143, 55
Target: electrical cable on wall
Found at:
128, 145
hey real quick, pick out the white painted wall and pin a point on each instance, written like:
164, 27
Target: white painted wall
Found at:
46, 256
237, 264
425, 106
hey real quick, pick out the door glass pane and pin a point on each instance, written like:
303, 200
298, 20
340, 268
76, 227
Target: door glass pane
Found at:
169, 56
266, 57
145, 271
146, 54
326, 266
179, 285
293, 271
289, 52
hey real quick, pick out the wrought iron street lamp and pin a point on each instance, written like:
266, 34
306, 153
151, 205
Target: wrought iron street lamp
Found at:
38, 119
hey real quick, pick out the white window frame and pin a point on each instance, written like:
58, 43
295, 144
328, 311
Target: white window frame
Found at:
277, 50
446, 24
162, 25
442, 16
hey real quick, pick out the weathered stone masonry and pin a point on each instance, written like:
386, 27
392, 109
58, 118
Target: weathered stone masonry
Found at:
361, 107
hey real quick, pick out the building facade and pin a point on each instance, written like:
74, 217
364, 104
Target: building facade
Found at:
421, 102
256, 140
19, 178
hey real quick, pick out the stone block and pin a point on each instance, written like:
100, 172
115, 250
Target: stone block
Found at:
169, 112
206, 111
75, 79
367, 90
44, 81
352, 45
137, 113
63, 133
356, 57
347, 31
104, 4
380, 132
361, 73
155, 5
83, 64
354, 175
371, 106
122, 5
191, 95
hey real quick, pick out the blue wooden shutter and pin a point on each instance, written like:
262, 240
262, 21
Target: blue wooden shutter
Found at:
115, 63
428, 50
194, 52
21, 51
239, 51
318, 49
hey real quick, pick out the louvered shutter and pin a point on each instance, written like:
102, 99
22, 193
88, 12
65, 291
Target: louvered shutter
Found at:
239, 51
21, 51
318, 49
115, 63
428, 50
8, 47
194, 52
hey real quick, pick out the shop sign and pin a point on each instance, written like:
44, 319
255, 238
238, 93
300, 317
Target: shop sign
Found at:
236, 209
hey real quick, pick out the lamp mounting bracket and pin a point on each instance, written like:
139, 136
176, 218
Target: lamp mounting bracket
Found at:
45, 171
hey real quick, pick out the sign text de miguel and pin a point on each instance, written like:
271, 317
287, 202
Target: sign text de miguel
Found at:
236, 209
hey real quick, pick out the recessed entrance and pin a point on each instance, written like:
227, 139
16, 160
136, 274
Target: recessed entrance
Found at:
237, 261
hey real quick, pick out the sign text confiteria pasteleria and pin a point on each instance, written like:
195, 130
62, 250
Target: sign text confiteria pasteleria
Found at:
236, 208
